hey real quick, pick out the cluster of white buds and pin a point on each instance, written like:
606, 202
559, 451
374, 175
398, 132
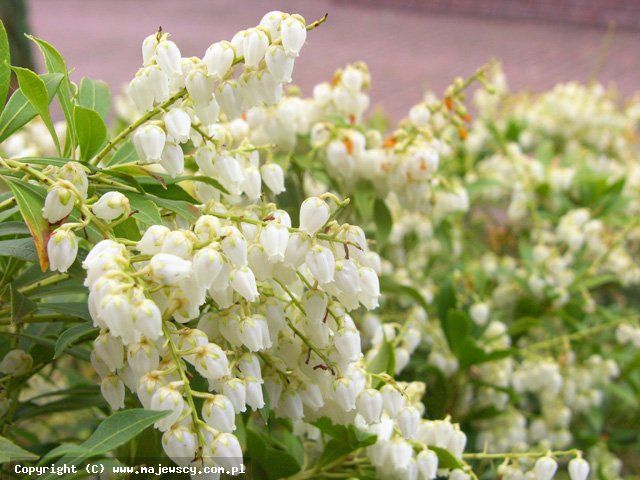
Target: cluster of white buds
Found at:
204, 91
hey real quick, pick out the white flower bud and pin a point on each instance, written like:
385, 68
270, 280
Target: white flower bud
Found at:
321, 263
311, 396
274, 238
208, 113
219, 413
254, 46
271, 21
244, 282
297, 248
315, 305
578, 469
147, 319
149, 45
280, 65
110, 206
143, 357
479, 313
408, 419
180, 444
427, 464
62, 250
294, 34
545, 468
229, 97
255, 398
58, 204
200, 86
169, 58
399, 453
149, 141
289, 405
347, 277
207, 228
112, 390
227, 452
157, 82
140, 93
172, 159
211, 361
218, 58
16, 362
392, 400
115, 310
273, 177
345, 393
314, 213
370, 288
74, 173
347, 343
369, 405
152, 240
208, 263
109, 350
253, 332
169, 269
168, 397
178, 125
252, 185
236, 391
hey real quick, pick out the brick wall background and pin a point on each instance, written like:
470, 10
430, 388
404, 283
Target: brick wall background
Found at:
625, 13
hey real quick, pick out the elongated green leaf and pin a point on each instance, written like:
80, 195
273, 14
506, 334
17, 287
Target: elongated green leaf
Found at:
384, 221
35, 91
77, 310
114, 431
13, 228
65, 404
30, 200
10, 452
21, 248
5, 62
147, 211
49, 344
199, 178
184, 209
56, 64
125, 154
18, 111
20, 305
385, 360
446, 458
95, 95
90, 130
389, 285
364, 196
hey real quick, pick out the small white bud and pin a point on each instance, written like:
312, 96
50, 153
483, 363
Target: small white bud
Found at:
58, 204
62, 250
110, 206
112, 390
219, 413
314, 213
294, 34
273, 177
578, 469
218, 58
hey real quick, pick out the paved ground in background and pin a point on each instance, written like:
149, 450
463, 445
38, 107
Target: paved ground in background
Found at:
406, 51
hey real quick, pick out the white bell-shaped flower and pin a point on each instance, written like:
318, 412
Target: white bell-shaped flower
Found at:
274, 238
290, 405
321, 263
169, 269
109, 350
280, 64
143, 357
392, 400
200, 86
347, 277
110, 206
16, 362
408, 419
370, 288
219, 413
180, 443
345, 393
253, 332
427, 464
112, 390
315, 305
152, 240
141, 93
243, 281
58, 204
297, 248
314, 213
208, 263
479, 313
252, 185
172, 159
178, 125
147, 319
115, 310
578, 469
235, 390
168, 397
149, 141
169, 58
211, 361
254, 46
347, 343
271, 21
294, 34
545, 468
218, 58
255, 397
147, 386
179, 243
273, 177
369, 405
207, 228
149, 45
62, 250
311, 396
230, 99
227, 452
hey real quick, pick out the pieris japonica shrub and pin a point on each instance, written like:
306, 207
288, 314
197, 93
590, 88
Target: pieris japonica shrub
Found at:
236, 275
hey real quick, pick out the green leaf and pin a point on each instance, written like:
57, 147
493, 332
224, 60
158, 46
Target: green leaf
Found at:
446, 300
90, 130
18, 111
345, 439
389, 285
185, 209
56, 64
10, 452
77, 310
30, 200
5, 62
95, 95
49, 344
147, 211
114, 431
69, 403
275, 462
13, 228
128, 229
385, 359
35, 91
446, 458
21, 248
384, 221
199, 178
125, 154
20, 305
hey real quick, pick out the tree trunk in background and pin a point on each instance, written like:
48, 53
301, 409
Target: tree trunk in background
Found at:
13, 14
